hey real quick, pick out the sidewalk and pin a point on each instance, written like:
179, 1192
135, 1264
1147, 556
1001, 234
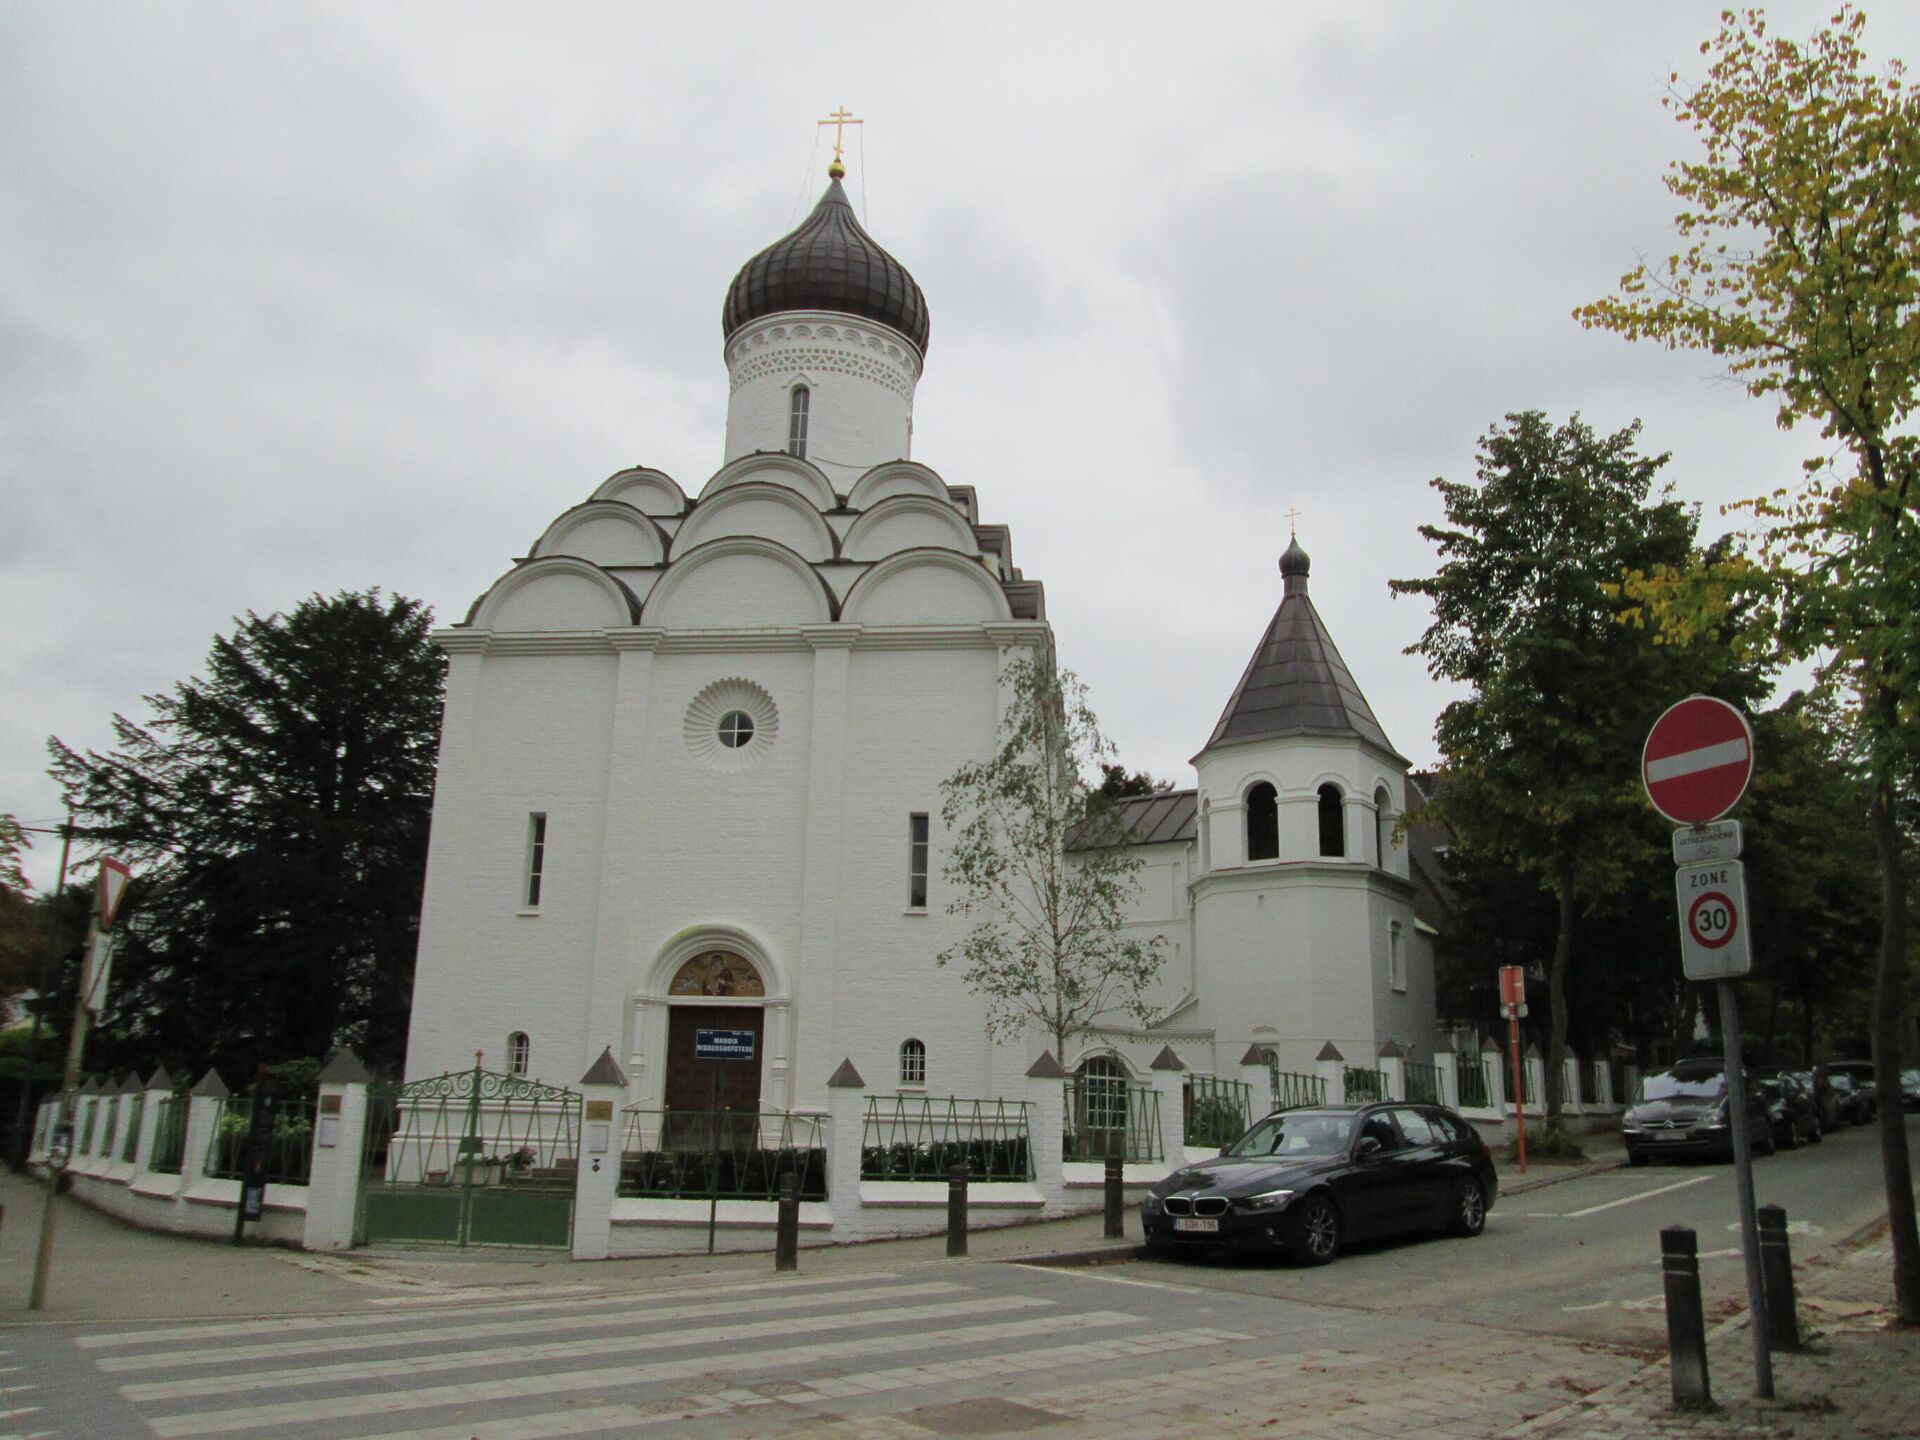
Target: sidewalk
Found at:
1858, 1379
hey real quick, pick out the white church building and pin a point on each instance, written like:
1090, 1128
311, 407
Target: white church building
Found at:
691, 765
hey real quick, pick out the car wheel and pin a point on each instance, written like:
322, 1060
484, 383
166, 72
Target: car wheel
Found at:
1317, 1230
1469, 1208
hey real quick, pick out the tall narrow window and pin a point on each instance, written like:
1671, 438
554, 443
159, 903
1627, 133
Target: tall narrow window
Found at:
913, 1062
519, 1052
1382, 825
916, 862
1333, 821
1396, 958
1263, 823
797, 408
536, 856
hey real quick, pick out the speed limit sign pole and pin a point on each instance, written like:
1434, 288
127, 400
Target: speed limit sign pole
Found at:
1696, 765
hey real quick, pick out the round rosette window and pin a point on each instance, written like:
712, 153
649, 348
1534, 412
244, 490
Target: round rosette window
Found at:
731, 725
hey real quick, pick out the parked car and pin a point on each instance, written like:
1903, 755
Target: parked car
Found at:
1854, 1080
1790, 1110
1825, 1102
1682, 1111
1306, 1182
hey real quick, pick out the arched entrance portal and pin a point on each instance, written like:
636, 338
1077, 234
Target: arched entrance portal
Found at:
713, 990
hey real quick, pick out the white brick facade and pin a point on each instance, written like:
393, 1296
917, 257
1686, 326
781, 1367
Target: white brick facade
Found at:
853, 608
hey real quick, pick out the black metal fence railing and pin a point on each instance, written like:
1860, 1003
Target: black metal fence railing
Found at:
918, 1137
1589, 1081
1105, 1116
290, 1152
1471, 1084
1364, 1084
1218, 1111
1506, 1080
130, 1141
1423, 1082
170, 1136
728, 1154
1291, 1088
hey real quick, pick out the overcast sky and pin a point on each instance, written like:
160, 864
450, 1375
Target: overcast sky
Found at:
302, 298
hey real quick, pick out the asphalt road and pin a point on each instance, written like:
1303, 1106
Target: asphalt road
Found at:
1581, 1258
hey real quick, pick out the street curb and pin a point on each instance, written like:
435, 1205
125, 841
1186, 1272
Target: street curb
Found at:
1063, 1259
1523, 1187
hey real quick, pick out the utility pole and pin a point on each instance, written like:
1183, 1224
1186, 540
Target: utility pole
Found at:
21, 1134
90, 997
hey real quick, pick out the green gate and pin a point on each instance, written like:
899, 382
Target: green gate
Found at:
471, 1157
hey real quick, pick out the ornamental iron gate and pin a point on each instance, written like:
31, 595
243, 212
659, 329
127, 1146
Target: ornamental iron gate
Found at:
471, 1157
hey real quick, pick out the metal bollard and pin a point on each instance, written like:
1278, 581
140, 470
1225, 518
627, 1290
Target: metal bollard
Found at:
957, 1210
786, 1234
1116, 1200
1776, 1269
1686, 1320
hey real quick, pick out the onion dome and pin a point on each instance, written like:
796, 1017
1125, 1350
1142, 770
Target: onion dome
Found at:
829, 263
1294, 561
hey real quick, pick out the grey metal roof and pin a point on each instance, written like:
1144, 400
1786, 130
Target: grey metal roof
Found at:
1162, 817
829, 263
1296, 683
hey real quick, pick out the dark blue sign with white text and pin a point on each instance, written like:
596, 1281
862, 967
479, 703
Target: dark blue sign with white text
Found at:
723, 1044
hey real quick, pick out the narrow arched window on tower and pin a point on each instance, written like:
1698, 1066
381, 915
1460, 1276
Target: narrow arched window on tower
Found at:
1333, 821
797, 409
1382, 826
1263, 823
519, 1052
913, 1062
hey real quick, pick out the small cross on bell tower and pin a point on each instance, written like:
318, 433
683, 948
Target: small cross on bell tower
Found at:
839, 119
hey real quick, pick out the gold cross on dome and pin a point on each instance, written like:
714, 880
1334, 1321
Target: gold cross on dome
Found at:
1293, 524
839, 119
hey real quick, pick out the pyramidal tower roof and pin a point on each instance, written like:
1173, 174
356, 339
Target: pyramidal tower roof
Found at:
828, 263
1296, 683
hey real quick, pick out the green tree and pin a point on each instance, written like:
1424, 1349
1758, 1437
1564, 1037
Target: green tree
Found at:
1040, 861
19, 923
276, 813
1541, 757
1800, 268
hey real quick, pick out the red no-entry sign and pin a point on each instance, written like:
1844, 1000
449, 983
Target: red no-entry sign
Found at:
1697, 760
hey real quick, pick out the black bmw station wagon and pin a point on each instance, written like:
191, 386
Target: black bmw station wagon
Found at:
1305, 1182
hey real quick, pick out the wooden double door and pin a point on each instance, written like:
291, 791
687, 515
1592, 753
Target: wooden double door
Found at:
702, 1087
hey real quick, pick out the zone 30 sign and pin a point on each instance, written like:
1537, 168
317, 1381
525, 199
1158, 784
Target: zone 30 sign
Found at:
1713, 920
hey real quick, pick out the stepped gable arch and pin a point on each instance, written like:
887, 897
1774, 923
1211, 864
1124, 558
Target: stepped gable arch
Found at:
774, 468
651, 492
909, 522
739, 582
605, 532
926, 587
897, 477
759, 508
557, 592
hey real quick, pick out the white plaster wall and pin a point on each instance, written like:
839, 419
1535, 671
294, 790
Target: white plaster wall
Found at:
524, 733
862, 378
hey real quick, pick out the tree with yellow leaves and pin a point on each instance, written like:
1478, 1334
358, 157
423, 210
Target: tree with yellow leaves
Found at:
1800, 224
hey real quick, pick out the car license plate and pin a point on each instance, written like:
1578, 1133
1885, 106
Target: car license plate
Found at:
1670, 1135
1209, 1227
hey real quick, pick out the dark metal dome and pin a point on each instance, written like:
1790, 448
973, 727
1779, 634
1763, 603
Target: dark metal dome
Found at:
829, 263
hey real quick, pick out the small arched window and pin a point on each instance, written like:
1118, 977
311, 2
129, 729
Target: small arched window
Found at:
1333, 821
913, 1062
519, 1052
798, 405
1382, 825
1263, 823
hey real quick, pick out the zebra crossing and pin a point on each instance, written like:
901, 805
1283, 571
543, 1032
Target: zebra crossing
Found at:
860, 1353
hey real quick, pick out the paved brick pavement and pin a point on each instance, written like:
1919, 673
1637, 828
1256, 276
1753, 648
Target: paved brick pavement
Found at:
1859, 1378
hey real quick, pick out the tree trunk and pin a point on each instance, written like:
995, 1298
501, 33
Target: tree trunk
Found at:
1889, 1014
1557, 989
